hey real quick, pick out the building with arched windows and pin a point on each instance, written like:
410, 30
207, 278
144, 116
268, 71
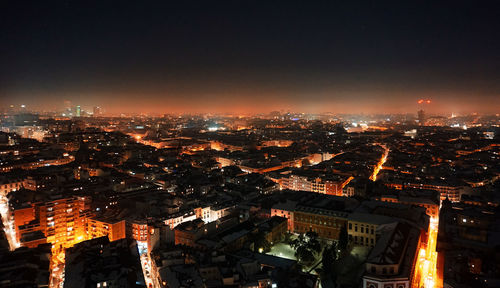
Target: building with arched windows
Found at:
391, 263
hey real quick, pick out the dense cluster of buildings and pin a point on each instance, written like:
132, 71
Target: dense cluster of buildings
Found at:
205, 202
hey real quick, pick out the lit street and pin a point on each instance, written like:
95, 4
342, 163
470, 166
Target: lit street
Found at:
8, 223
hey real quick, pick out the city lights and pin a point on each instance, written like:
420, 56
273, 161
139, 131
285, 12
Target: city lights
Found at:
261, 144
426, 266
380, 164
8, 223
185, 190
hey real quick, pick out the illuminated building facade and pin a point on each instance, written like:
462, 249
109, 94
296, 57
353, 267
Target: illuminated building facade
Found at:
317, 184
106, 226
138, 229
8, 185
176, 219
203, 213
285, 210
220, 146
60, 219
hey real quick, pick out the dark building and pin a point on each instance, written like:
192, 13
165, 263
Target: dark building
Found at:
25, 119
100, 263
26, 267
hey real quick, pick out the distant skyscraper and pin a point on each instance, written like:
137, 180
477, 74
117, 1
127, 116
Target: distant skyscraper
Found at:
78, 111
97, 111
421, 117
67, 105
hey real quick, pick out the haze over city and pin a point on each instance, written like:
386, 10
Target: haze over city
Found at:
251, 56
249, 144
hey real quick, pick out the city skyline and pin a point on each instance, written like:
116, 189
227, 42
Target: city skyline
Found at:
77, 111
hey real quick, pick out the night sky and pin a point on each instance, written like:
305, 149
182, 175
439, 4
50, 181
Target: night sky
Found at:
248, 56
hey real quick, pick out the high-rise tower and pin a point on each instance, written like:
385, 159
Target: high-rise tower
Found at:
421, 117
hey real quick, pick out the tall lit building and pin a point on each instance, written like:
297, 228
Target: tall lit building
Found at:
78, 111
421, 117
60, 219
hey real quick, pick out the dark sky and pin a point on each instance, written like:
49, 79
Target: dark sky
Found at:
251, 55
